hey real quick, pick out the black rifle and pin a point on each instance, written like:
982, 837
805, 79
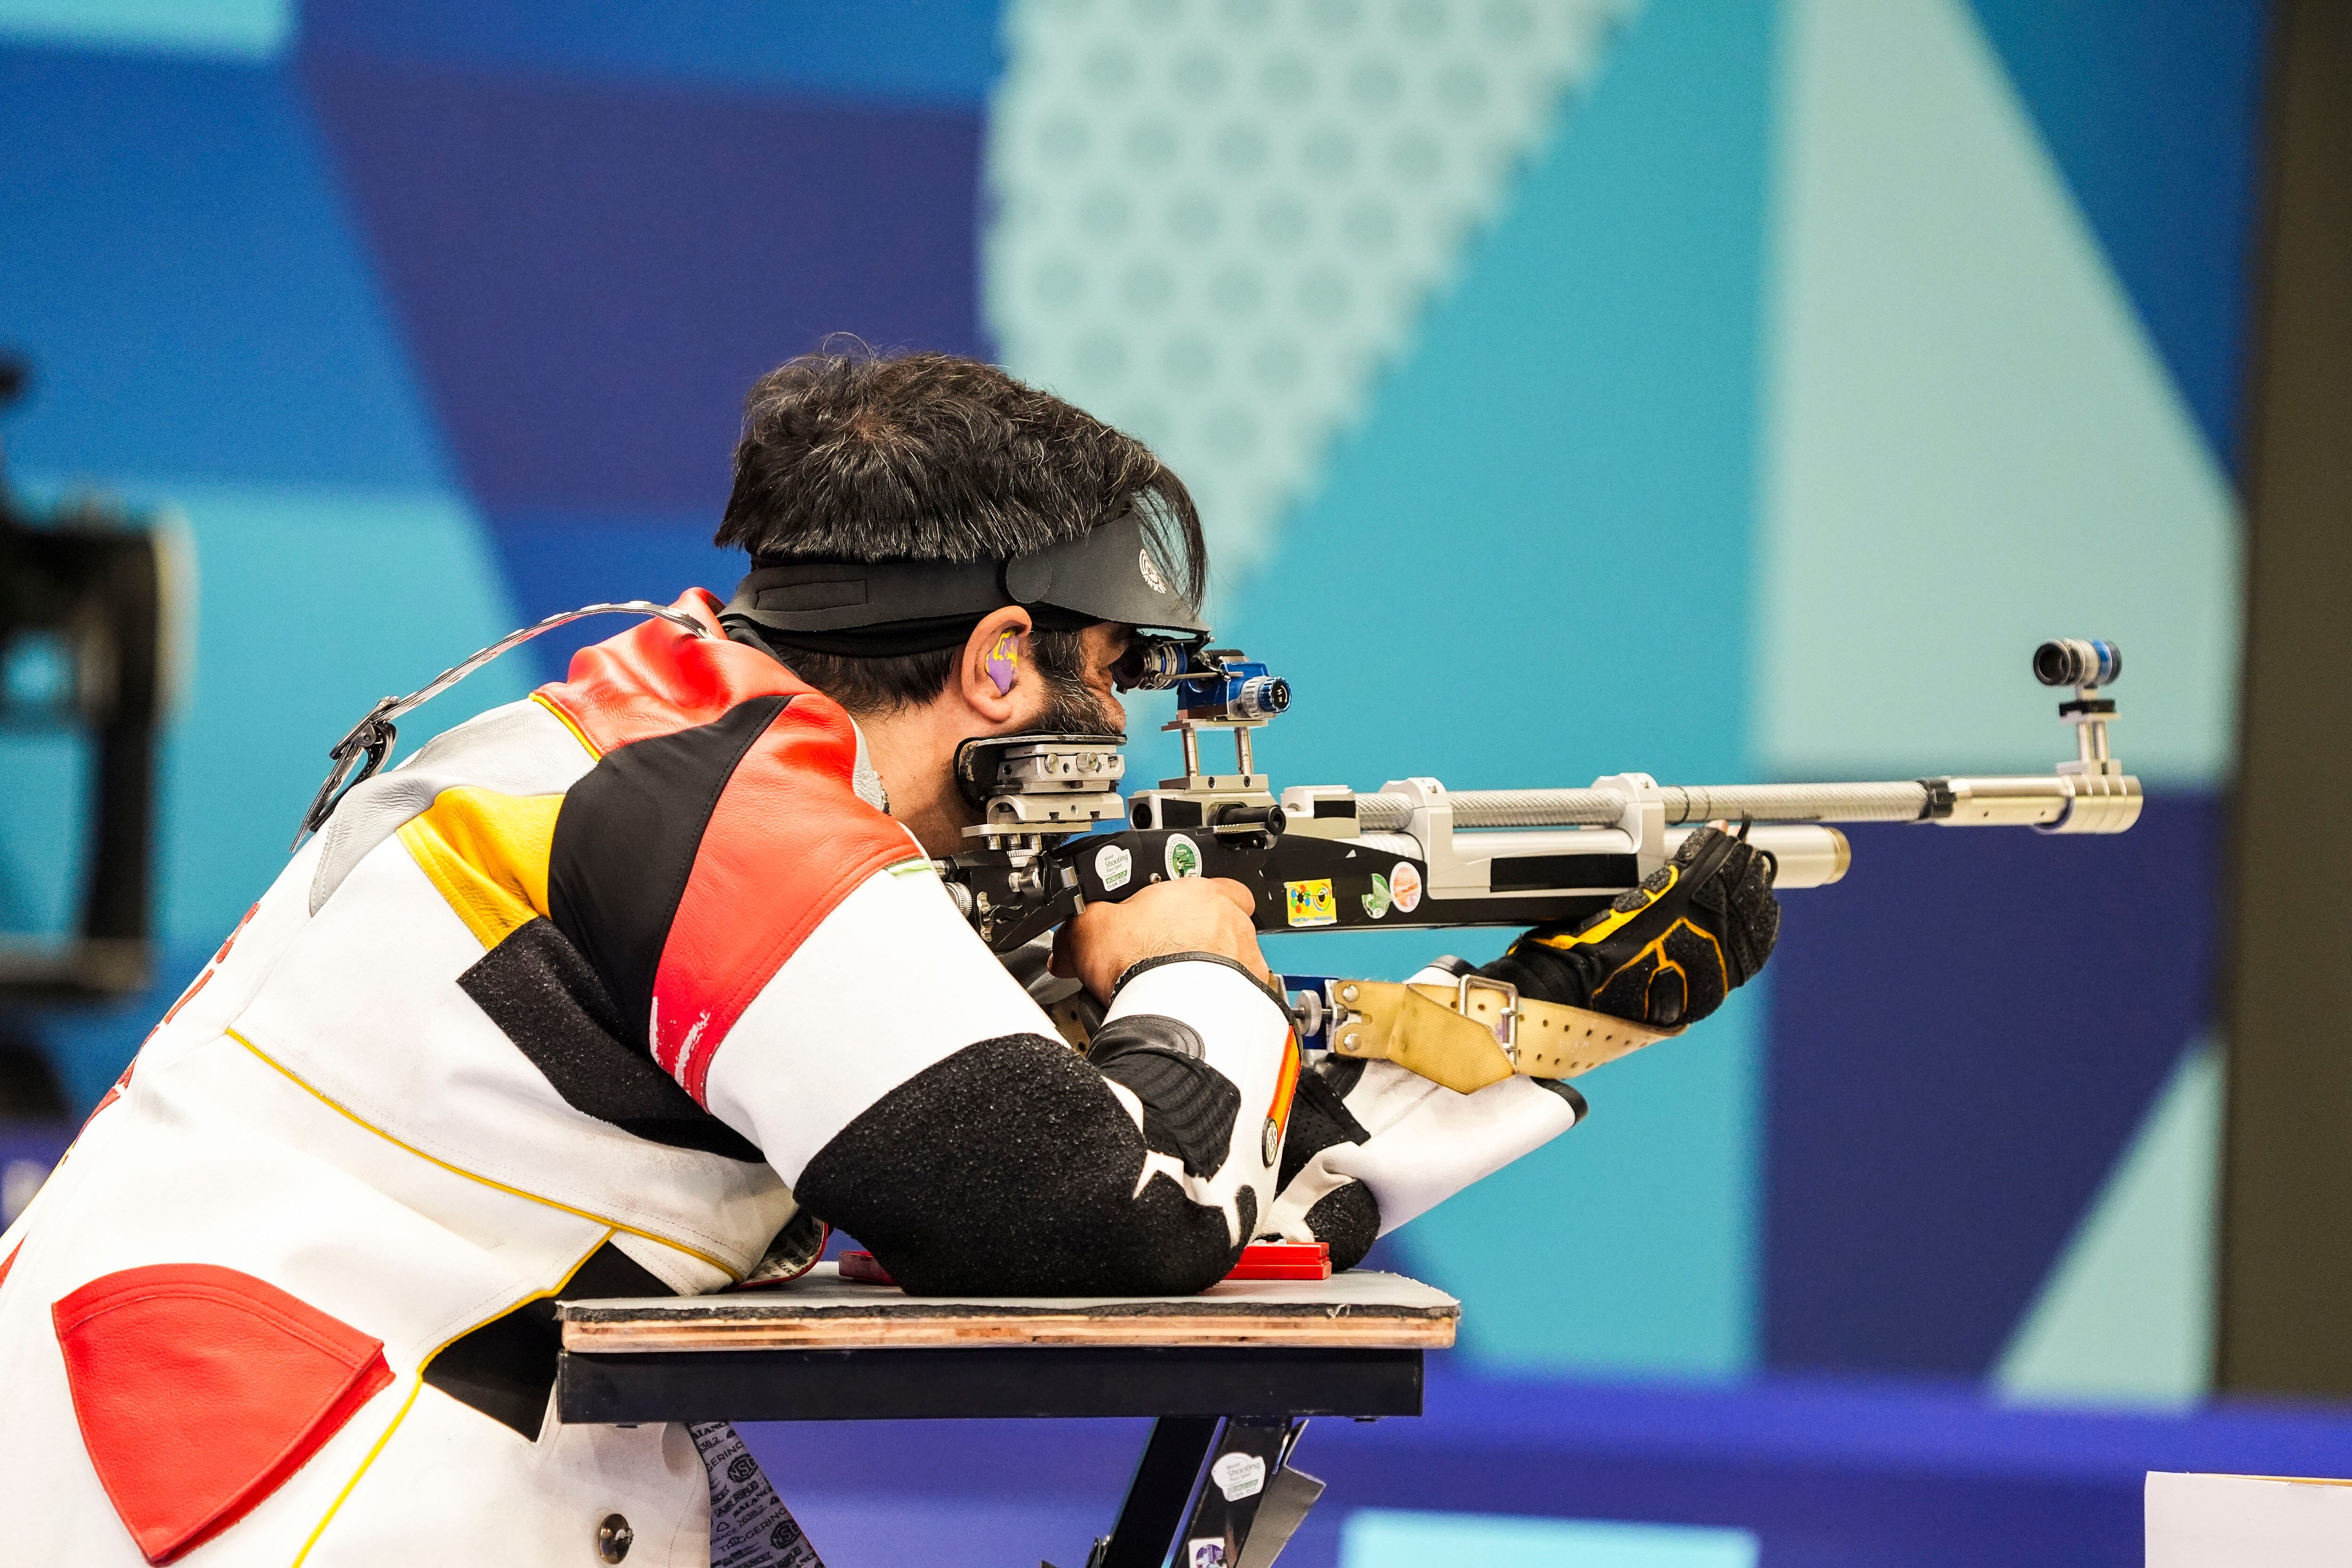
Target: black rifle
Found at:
1417, 855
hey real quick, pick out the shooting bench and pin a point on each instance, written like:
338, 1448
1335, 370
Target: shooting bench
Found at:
1229, 1374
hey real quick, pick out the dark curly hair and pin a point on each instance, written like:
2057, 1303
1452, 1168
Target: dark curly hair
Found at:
852, 455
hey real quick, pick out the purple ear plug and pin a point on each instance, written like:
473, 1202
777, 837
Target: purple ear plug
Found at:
1004, 661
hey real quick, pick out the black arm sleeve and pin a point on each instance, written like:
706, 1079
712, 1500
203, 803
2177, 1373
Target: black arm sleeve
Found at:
1010, 1168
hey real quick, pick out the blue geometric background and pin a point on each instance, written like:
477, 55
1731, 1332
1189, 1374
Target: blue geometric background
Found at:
431, 319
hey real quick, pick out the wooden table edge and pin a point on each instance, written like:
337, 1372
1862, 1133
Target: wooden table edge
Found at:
833, 1333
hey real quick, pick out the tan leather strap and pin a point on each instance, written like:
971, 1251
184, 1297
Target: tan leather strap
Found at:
1477, 1032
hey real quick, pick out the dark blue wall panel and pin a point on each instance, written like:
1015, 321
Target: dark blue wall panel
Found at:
180, 265
592, 276
1830, 1474
557, 560
1961, 1047
940, 51
2152, 111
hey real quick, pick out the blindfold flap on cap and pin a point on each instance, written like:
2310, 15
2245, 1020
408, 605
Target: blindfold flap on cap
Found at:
1109, 575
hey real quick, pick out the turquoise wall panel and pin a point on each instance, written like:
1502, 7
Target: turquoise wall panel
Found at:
248, 29
1394, 1538
314, 604
44, 779
1973, 443
1530, 566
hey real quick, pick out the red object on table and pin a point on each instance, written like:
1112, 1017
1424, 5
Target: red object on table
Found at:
1284, 1260
861, 1266
1260, 1261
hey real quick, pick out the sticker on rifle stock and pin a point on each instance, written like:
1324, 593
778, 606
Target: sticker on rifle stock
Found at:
1183, 856
1376, 902
1311, 903
1114, 865
1239, 1475
1404, 886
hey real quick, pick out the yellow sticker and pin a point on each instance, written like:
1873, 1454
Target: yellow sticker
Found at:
1311, 903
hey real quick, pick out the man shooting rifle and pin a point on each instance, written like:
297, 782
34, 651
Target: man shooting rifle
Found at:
634, 986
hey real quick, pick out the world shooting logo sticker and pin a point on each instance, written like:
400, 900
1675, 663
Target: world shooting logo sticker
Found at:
1183, 858
1404, 886
1152, 576
1114, 865
1239, 1475
1311, 903
1376, 902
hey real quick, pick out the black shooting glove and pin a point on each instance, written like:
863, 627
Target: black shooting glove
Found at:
1667, 952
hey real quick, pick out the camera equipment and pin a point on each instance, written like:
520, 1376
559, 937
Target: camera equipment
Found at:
91, 594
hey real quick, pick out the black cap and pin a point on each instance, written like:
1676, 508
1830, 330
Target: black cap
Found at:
1112, 574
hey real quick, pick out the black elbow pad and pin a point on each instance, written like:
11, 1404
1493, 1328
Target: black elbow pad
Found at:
1189, 1107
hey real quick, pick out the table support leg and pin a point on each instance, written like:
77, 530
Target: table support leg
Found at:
1154, 1509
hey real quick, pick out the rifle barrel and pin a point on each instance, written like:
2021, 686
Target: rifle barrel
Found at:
1896, 801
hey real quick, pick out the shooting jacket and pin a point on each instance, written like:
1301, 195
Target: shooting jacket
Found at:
590, 996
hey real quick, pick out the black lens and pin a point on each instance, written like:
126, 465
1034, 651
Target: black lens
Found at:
1152, 664
2077, 661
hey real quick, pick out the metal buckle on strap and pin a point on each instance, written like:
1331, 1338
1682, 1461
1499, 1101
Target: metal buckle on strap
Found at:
374, 736
1506, 1025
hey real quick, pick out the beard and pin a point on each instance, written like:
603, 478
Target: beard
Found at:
1073, 708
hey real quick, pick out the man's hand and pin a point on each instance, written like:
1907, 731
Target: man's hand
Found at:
1666, 952
1189, 914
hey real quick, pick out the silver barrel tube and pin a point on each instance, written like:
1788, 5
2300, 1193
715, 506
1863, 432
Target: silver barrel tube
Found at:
1502, 808
1899, 800
1805, 854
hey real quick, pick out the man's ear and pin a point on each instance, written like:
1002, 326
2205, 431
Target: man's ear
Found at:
989, 668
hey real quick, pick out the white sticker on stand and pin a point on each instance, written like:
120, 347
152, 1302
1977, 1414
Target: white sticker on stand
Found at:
1183, 856
1404, 887
1114, 865
1239, 1475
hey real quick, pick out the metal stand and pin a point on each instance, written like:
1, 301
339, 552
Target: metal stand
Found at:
1164, 1483
1247, 1509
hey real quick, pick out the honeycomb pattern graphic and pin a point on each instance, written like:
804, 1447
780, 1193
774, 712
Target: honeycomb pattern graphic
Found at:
1216, 222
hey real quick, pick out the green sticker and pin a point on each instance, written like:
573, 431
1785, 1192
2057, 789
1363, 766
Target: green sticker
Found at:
1376, 902
1183, 856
